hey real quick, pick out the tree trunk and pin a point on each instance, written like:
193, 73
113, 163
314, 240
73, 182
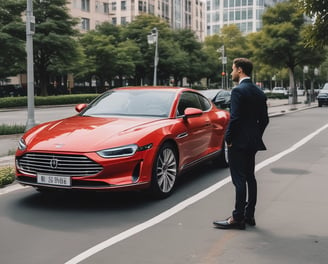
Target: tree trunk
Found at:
292, 86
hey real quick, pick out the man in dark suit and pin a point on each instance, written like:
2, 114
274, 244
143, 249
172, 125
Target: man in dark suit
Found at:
249, 118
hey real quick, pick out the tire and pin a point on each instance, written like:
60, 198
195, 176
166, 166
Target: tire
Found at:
165, 171
320, 104
223, 159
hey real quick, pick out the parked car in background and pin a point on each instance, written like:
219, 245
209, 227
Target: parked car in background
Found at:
323, 96
220, 97
126, 139
12, 90
300, 92
280, 90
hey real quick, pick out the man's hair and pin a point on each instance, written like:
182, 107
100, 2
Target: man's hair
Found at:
245, 64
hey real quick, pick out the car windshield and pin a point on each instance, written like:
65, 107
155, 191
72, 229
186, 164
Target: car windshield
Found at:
132, 103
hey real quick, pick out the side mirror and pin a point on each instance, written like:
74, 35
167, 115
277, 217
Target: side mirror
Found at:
192, 112
80, 107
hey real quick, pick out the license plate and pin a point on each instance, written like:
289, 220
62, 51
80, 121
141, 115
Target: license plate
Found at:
54, 180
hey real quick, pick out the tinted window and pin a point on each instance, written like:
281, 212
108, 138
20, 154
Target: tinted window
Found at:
189, 99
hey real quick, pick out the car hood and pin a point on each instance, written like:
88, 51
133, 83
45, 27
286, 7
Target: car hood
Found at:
88, 134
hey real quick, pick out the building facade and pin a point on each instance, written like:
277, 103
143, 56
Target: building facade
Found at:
246, 14
180, 14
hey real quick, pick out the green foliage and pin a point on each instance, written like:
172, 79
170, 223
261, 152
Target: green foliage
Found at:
11, 129
47, 100
281, 41
316, 33
12, 38
7, 176
55, 48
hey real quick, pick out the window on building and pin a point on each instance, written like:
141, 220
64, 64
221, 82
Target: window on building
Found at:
260, 2
114, 20
216, 29
216, 16
237, 15
250, 2
106, 8
226, 3
151, 9
259, 13
216, 4
250, 14
249, 26
113, 6
231, 3
238, 2
225, 16
85, 5
243, 14
123, 20
85, 24
243, 27
244, 2
123, 5
231, 16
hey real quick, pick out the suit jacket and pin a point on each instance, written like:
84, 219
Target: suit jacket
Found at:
248, 117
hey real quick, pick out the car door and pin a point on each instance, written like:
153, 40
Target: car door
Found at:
195, 139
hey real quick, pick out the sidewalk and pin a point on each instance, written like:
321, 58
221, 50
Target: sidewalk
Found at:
276, 107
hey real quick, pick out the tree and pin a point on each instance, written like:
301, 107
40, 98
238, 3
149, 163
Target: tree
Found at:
55, 48
100, 55
12, 38
281, 41
195, 59
138, 30
317, 10
234, 43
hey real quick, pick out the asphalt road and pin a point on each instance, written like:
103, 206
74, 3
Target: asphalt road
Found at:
125, 228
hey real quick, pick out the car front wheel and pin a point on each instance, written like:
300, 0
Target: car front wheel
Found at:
165, 171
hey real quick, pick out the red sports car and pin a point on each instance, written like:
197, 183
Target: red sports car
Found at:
127, 138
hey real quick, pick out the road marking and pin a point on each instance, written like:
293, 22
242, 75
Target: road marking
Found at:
179, 207
12, 188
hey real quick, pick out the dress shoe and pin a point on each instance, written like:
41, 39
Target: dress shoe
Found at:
250, 221
229, 223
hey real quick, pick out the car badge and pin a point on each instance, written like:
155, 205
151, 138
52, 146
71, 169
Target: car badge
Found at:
54, 163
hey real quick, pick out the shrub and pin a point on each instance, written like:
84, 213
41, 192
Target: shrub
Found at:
11, 129
47, 100
7, 176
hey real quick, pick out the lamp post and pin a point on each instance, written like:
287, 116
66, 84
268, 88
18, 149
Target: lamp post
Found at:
224, 61
30, 29
153, 38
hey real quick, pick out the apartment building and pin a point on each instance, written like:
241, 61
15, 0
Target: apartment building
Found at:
180, 14
246, 14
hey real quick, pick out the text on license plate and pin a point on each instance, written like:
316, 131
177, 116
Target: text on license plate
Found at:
54, 180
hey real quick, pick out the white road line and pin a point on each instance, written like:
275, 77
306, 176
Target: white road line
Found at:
12, 188
179, 207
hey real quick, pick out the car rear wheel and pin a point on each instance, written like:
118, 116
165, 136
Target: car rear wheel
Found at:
223, 160
165, 171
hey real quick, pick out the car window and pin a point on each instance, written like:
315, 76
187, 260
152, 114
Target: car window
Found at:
190, 99
132, 103
205, 104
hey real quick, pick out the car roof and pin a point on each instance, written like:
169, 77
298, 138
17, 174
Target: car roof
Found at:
166, 88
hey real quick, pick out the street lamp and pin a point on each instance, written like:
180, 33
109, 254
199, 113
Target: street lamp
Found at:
224, 61
153, 38
30, 29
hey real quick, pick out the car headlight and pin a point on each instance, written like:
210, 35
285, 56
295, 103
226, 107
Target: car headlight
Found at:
117, 152
22, 144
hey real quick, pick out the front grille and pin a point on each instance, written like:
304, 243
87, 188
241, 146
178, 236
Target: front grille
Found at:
57, 164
